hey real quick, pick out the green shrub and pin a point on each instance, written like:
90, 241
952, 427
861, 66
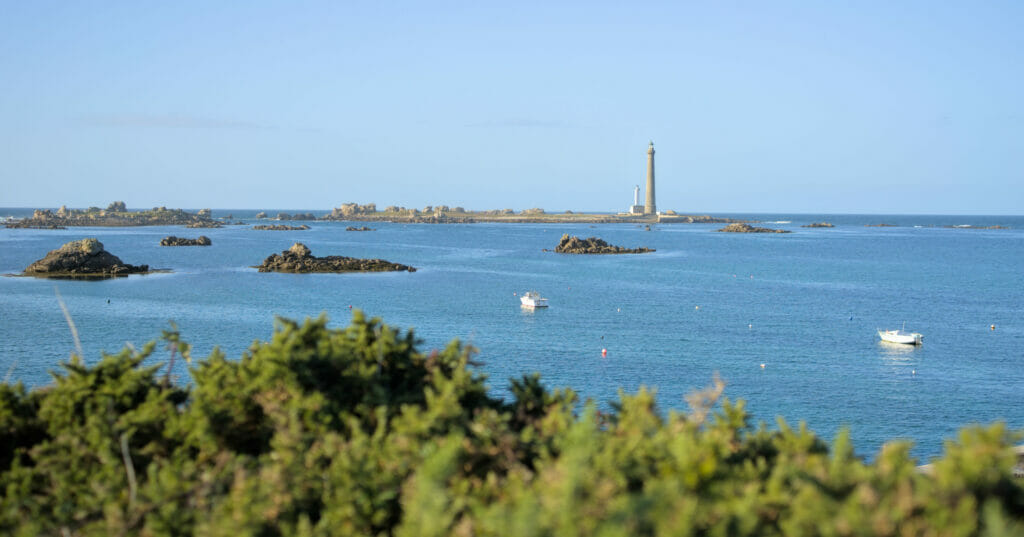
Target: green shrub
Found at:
353, 431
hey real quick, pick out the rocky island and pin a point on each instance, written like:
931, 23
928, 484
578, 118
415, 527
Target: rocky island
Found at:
444, 214
593, 245
299, 258
115, 215
818, 224
84, 258
747, 228
203, 240
363, 228
280, 227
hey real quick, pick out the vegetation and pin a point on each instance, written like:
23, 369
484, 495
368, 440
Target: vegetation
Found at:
353, 431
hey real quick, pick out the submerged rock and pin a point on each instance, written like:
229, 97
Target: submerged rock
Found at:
747, 228
203, 240
84, 257
299, 258
363, 228
594, 245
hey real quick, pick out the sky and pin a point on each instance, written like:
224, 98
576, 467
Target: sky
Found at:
769, 107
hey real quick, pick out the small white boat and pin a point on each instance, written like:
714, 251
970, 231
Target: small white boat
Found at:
532, 299
901, 336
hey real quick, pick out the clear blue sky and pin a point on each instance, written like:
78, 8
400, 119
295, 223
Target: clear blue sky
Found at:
863, 107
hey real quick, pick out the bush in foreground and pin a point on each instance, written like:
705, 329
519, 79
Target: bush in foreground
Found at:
323, 432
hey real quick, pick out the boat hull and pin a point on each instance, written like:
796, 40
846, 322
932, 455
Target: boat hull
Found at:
901, 337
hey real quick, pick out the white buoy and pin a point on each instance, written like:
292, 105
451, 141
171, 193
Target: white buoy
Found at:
762, 366
750, 326
696, 307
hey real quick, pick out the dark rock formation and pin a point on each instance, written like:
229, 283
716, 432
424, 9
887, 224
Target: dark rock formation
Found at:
747, 228
205, 225
26, 224
818, 224
298, 258
203, 240
82, 258
364, 228
281, 227
594, 245
298, 216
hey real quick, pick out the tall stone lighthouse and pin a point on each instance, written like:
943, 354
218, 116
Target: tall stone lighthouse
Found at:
649, 207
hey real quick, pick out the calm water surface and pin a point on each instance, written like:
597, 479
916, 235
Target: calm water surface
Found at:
806, 305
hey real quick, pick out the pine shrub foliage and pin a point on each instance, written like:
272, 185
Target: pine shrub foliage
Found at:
353, 431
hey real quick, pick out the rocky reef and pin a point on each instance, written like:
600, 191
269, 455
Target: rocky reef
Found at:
594, 245
818, 224
115, 215
299, 258
298, 216
747, 228
363, 228
84, 258
205, 225
281, 227
203, 240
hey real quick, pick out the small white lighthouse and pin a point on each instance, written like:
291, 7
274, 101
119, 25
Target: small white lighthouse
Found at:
636, 208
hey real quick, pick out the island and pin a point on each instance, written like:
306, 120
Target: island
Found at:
818, 224
747, 228
593, 245
299, 258
84, 258
115, 215
444, 214
280, 227
203, 240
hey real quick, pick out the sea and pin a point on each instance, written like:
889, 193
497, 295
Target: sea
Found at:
788, 321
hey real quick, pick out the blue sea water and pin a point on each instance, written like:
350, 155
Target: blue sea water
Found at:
806, 305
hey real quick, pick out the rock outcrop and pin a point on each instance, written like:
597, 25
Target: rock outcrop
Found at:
747, 228
205, 225
203, 240
281, 227
363, 228
594, 245
82, 258
818, 224
261, 214
299, 258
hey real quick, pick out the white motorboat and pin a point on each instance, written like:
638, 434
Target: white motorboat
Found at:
532, 299
901, 336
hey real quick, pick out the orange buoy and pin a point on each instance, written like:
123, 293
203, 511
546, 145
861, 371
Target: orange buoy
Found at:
604, 353
993, 327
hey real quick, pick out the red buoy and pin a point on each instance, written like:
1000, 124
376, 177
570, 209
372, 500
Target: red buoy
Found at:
604, 353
